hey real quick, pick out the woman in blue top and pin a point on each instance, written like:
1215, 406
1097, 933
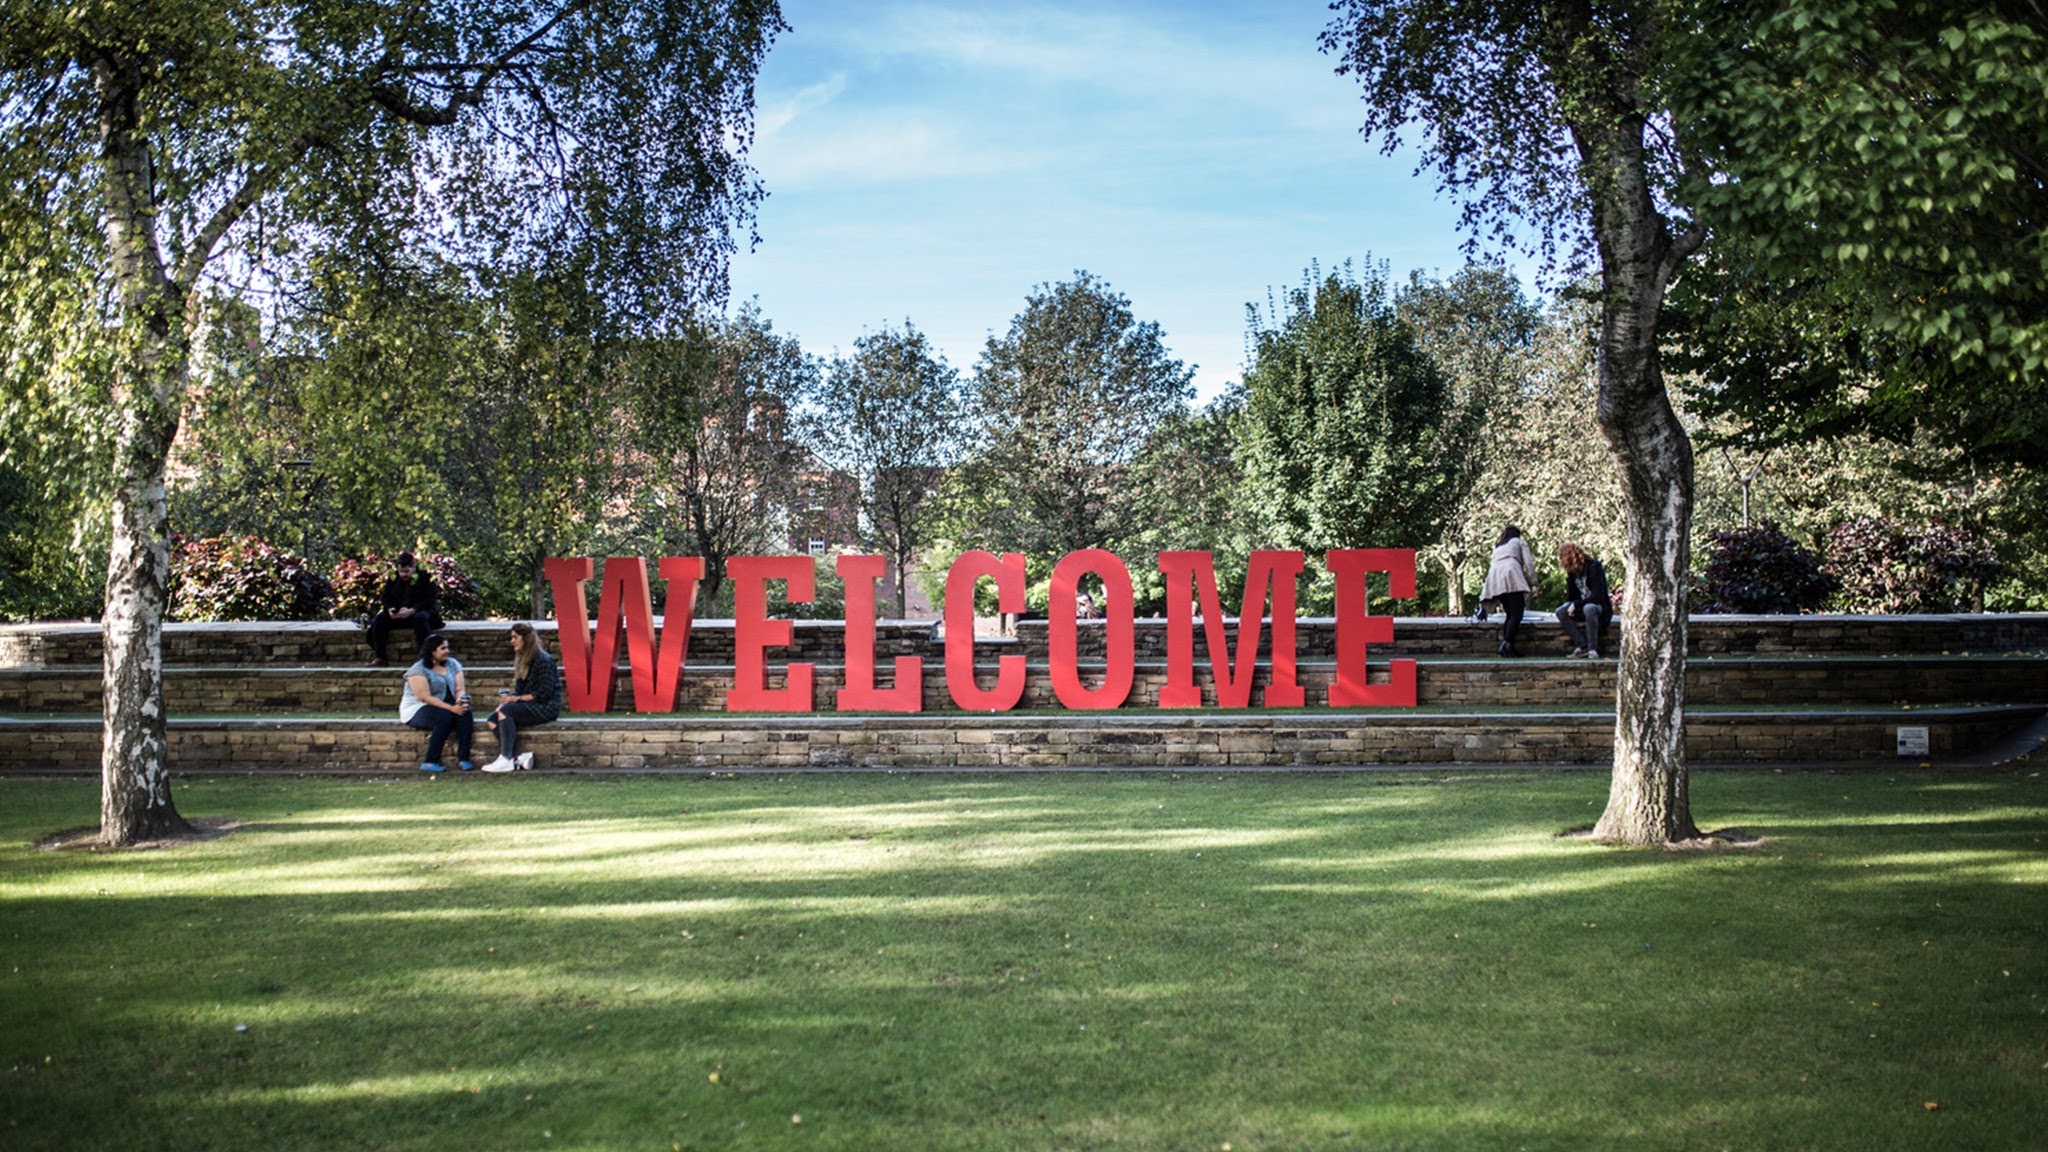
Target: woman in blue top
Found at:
436, 702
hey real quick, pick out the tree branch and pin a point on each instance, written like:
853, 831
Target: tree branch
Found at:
230, 213
395, 101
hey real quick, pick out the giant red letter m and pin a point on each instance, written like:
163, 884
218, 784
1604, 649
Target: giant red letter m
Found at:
1191, 573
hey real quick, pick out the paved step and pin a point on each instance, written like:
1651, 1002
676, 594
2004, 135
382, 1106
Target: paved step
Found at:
1440, 681
1154, 741
336, 643
1814, 635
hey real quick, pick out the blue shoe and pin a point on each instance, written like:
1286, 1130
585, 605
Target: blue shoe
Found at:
432, 768
466, 766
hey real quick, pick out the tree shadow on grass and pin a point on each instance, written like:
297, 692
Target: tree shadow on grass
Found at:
1036, 964
87, 838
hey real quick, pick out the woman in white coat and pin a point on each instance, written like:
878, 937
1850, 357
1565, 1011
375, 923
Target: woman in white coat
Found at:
1509, 580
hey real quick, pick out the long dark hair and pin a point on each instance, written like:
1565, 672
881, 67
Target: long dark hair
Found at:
1508, 533
432, 641
529, 644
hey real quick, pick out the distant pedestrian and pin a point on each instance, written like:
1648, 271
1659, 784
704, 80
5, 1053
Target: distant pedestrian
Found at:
535, 698
407, 601
1509, 580
1587, 607
436, 701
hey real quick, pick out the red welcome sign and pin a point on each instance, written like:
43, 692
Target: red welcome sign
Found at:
626, 613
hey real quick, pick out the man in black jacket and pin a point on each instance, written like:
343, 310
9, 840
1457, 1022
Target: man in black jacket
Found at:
408, 602
1588, 606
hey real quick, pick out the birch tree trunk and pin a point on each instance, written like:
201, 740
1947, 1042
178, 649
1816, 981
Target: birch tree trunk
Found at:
149, 392
1647, 796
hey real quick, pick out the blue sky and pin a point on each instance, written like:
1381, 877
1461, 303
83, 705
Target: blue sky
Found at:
936, 161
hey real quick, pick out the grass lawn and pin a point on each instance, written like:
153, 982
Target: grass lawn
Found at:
1063, 962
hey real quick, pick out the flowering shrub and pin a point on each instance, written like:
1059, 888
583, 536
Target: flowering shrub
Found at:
242, 578
1884, 566
359, 579
1760, 570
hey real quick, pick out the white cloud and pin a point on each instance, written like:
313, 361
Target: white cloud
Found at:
878, 146
773, 117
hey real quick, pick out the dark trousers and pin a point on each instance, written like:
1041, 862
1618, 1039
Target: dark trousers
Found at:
1511, 604
1585, 633
382, 625
510, 718
437, 723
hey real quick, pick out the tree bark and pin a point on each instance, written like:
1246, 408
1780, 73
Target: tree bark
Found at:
1647, 799
149, 391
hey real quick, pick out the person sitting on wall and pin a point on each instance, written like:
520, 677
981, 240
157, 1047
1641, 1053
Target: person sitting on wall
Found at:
436, 701
1586, 612
407, 601
535, 698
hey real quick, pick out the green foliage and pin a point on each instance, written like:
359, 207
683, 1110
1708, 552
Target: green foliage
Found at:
1479, 329
717, 463
1186, 491
47, 570
1064, 404
893, 416
1349, 432
1760, 570
1876, 172
828, 598
1884, 566
536, 450
243, 578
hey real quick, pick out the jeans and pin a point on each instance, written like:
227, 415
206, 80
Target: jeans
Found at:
1586, 634
437, 723
510, 717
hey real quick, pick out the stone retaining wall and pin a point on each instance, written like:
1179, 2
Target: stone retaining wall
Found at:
1495, 683
1026, 742
339, 644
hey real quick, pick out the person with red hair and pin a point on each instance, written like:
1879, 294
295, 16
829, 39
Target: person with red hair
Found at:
1588, 607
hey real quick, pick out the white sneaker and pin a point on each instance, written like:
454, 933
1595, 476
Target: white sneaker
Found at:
500, 765
1592, 653
526, 761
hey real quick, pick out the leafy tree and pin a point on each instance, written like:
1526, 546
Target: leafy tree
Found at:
719, 461
1186, 493
1554, 114
1348, 434
1478, 327
1063, 403
892, 414
1879, 197
537, 447
1551, 473
45, 570
146, 149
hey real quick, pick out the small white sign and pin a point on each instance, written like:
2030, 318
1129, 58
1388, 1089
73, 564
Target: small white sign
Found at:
1913, 741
